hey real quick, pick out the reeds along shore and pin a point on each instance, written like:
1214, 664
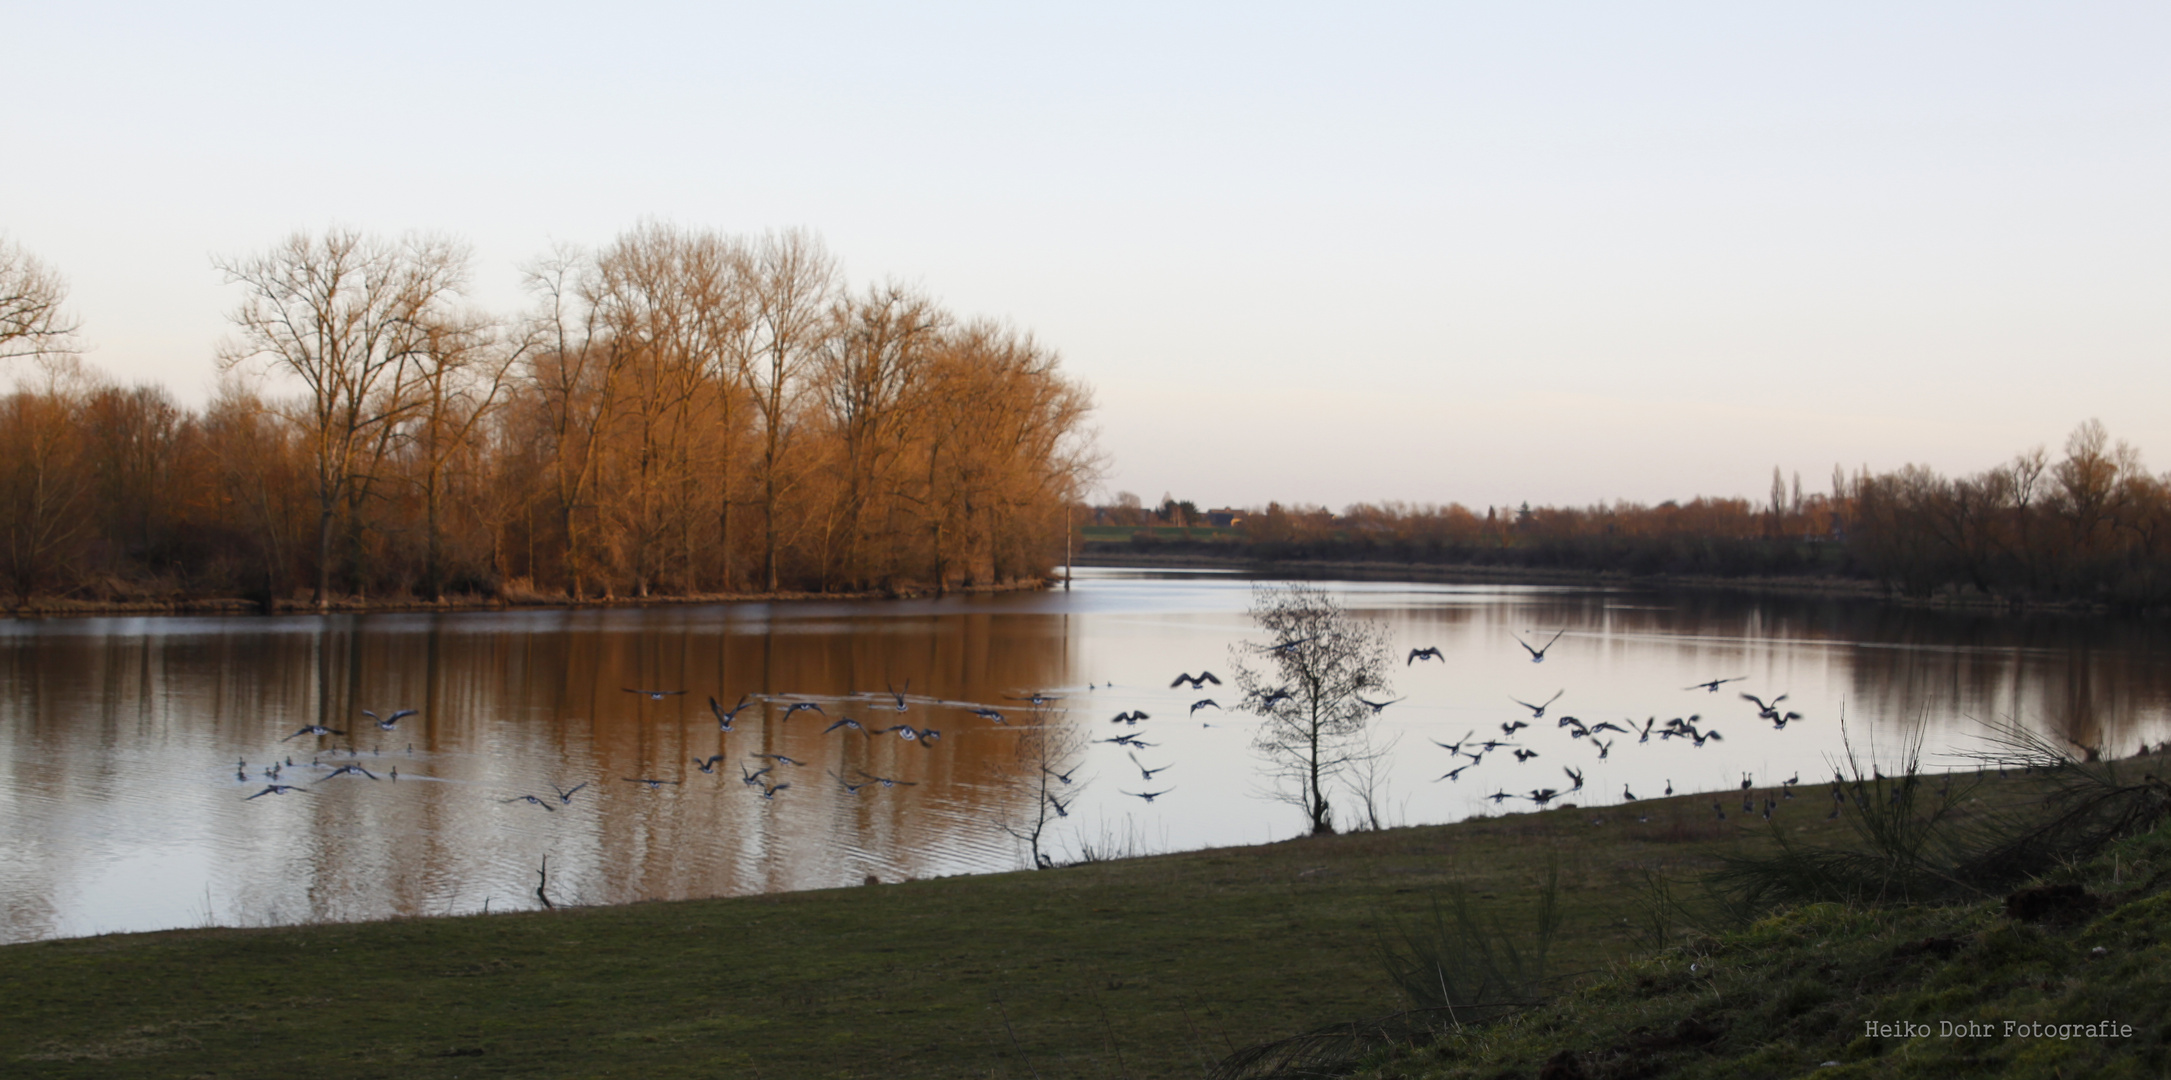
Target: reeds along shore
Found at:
682, 412
2092, 528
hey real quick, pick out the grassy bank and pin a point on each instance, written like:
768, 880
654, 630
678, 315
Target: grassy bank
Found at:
2049, 983
1147, 967
1143, 967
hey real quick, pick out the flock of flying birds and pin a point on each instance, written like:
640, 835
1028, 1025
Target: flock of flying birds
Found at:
766, 781
1689, 729
766, 774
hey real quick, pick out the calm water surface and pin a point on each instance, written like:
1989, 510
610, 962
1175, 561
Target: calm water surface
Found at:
121, 738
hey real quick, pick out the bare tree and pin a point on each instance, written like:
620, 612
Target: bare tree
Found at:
461, 376
256, 474
1043, 763
868, 371
1304, 684
574, 377
348, 316
44, 511
790, 280
31, 322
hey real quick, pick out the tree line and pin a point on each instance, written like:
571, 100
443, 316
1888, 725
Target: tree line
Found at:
680, 412
2093, 526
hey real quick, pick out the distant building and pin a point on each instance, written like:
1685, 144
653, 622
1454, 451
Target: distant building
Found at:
1224, 519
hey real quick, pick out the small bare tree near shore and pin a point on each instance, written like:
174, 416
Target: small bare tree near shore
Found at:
1304, 684
1042, 766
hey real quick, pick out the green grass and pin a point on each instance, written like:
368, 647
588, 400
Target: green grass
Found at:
1144, 967
1148, 967
1792, 994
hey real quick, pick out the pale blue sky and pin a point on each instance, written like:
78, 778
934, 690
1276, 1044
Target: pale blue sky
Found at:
1482, 253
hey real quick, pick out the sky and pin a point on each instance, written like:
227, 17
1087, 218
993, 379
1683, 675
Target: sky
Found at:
1437, 252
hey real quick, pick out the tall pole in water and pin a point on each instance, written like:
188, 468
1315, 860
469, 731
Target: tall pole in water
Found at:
1066, 544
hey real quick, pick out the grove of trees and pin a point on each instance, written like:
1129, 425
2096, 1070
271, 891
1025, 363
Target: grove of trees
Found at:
680, 412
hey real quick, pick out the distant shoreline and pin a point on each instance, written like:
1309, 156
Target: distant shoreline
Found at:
1356, 569
1479, 574
57, 607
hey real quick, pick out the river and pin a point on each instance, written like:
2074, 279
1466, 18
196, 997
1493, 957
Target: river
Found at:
131, 746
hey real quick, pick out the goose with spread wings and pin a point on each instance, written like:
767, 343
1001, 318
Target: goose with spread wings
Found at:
278, 789
1537, 654
387, 723
1147, 773
1537, 712
724, 716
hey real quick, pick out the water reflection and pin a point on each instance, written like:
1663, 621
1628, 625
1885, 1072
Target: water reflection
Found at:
122, 738
119, 738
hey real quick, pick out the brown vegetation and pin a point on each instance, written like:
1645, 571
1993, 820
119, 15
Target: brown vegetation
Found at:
2091, 528
684, 412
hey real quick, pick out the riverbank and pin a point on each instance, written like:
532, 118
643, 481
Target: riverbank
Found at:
61, 607
1300, 569
1140, 967
1483, 574
2053, 981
